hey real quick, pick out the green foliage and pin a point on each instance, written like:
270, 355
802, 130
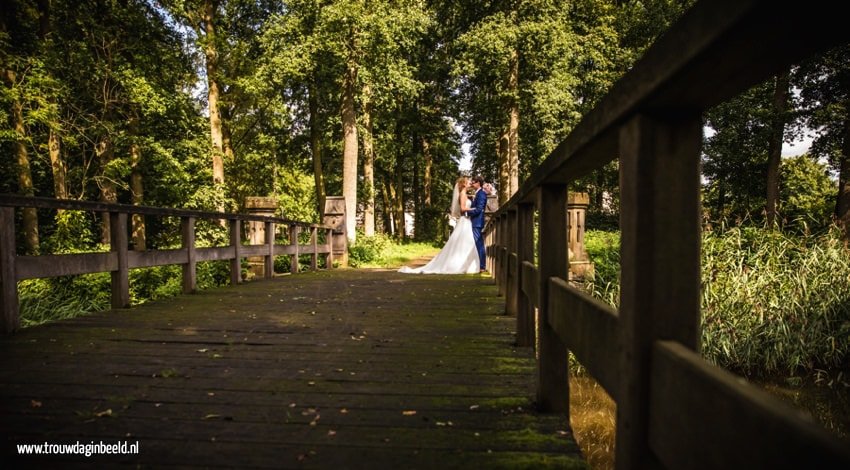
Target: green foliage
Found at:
296, 195
382, 251
603, 248
367, 250
806, 193
43, 300
432, 225
735, 156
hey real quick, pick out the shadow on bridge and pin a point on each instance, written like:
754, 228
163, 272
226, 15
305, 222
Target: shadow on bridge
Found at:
355, 369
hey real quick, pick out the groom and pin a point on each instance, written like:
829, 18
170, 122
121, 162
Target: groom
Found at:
476, 216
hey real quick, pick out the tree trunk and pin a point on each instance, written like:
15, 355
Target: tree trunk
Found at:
108, 192
316, 151
513, 128
780, 107
349, 149
58, 166
137, 189
368, 164
504, 168
389, 226
214, 94
426, 175
842, 204
397, 196
226, 136
25, 185
54, 145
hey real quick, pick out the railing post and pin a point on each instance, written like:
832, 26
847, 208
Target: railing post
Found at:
268, 260
8, 279
493, 253
492, 243
511, 287
236, 243
314, 241
525, 252
118, 245
293, 240
190, 279
504, 242
488, 246
660, 259
553, 382
329, 241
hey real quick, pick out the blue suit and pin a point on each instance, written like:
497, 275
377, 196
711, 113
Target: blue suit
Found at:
476, 216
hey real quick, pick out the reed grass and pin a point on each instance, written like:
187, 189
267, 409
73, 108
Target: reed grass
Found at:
772, 303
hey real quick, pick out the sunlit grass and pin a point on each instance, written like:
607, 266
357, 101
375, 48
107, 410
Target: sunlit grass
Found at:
396, 255
592, 418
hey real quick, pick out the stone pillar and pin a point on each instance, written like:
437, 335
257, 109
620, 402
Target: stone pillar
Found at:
335, 218
580, 265
491, 207
263, 206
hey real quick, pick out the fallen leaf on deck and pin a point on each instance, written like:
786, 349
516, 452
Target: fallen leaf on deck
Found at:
104, 413
408, 413
35, 403
331, 433
211, 416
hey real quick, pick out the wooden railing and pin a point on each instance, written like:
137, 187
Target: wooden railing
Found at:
119, 260
674, 410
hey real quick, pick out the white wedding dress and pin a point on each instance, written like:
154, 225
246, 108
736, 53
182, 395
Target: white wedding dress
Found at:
458, 256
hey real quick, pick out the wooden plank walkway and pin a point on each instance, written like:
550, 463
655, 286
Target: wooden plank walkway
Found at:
335, 369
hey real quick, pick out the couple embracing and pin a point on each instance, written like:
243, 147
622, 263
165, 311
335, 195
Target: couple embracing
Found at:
463, 253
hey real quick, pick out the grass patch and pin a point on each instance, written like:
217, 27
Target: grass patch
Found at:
381, 251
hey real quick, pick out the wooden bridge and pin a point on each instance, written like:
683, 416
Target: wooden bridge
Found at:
342, 368
369, 369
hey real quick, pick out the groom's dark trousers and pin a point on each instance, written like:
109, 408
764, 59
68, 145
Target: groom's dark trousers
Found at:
476, 216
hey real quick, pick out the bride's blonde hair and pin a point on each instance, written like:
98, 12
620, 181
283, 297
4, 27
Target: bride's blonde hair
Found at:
455, 210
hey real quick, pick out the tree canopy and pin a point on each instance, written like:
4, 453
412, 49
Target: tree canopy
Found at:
202, 103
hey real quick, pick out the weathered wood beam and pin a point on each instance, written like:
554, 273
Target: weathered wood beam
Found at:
590, 330
121, 274
694, 403
660, 261
553, 383
8, 277
524, 275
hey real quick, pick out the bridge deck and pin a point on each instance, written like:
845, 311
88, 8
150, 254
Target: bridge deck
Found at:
349, 369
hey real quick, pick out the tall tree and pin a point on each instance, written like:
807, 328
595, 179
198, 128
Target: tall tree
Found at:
824, 82
735, 156
18, 43
777, 137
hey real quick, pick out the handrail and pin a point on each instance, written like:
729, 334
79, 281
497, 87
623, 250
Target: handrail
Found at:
119, 259
644, 355
13, 200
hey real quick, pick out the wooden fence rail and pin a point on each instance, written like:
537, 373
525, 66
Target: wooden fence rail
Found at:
119, 260
674, 410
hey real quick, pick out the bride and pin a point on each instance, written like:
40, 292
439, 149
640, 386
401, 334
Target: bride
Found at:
458, 255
